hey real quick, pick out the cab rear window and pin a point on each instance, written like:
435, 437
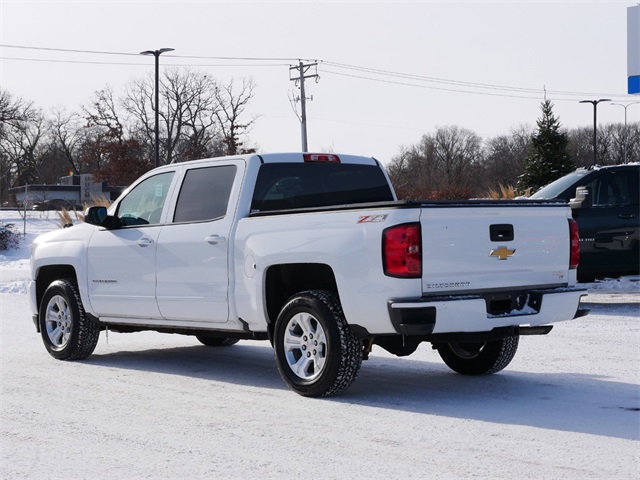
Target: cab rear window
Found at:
283, 186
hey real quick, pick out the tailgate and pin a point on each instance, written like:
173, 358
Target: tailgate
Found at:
491, 246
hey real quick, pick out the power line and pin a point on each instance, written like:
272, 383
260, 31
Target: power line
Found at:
83, 62
88, 62
67, 50
256, 59
380, 80
455, 82
455, 90
424, 78
99, 52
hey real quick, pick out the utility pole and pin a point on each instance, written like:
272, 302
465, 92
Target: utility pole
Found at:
301, 74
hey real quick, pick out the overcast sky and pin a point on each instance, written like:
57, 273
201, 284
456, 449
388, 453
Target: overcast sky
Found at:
479, 65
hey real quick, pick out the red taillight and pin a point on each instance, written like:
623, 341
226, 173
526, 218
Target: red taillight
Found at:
402, 251
320, 157
574, 257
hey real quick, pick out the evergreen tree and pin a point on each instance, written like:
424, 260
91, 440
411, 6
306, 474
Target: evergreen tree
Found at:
548, 157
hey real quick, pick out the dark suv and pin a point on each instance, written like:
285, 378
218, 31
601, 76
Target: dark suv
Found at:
604, 201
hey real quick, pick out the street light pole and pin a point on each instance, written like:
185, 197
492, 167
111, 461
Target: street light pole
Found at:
595, 122
625, 126
157, 53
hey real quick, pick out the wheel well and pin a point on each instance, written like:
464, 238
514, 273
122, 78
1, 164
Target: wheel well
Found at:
48, 274
283, 281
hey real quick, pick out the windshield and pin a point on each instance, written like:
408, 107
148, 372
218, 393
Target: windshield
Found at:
554, 189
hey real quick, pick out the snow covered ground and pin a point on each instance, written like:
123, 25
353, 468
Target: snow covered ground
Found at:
156, 406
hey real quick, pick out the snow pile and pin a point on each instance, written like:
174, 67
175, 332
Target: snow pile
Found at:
610, 285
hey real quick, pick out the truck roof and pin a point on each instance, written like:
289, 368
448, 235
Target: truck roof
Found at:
299, 157
289, 157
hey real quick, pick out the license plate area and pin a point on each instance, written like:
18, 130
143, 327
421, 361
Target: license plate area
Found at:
513, 303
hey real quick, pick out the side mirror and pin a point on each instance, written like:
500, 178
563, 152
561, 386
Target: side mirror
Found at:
96, 216
582, 200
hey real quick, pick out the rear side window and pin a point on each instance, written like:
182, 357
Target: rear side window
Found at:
204, 194
282, 186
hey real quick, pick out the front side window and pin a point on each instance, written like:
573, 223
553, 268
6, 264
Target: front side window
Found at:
614, 189
204, 194
144, 203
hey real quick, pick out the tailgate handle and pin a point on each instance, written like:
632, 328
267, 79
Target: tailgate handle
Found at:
501, 232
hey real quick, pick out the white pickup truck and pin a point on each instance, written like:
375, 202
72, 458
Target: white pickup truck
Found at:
314, 253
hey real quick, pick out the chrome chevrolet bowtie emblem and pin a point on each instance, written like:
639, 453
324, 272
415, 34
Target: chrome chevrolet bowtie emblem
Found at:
502, 253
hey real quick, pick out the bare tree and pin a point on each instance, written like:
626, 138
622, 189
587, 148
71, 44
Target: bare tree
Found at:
110, 150
581, 146
611, 144
411, 172
633, 142
606, 144
22, 142
504, 157
68, 134
14, 112
188, 122
231, 108
105, 115
457, 154
443, 165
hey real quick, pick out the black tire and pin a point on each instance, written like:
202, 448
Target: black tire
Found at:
479, 358
216, 341
334, 356
67, 333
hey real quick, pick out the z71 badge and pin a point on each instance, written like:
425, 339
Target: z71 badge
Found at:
372, 218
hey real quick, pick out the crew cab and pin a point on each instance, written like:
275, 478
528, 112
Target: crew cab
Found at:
314, 253
605, 202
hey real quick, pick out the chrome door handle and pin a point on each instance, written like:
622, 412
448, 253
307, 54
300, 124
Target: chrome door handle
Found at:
145, 242
215, 239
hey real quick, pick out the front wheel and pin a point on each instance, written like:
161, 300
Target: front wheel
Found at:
481, 358
316, 351
67, 332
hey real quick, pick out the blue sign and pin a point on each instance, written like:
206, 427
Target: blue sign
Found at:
633, 49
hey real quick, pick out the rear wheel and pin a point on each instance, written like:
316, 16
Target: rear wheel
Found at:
480, 358
67, 332
216, 341
316, 351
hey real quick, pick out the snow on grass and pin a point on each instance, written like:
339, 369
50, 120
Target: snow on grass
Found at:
14, 263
